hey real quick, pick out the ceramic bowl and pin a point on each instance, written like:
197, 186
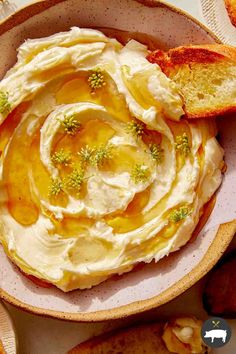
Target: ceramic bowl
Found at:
153, 284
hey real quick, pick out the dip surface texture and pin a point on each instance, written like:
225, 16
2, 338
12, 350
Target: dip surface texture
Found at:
97, 171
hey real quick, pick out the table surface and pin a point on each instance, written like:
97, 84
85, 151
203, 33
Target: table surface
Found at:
39, 335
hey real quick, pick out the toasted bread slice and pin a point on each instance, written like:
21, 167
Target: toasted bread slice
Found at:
231, 8
137, 340
205, 75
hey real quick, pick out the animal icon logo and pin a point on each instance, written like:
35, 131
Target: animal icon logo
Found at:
216, 332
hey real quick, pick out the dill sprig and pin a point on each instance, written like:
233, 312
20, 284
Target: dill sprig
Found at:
75, 180
101, 154
5, 106
70, 124
157, 153
140, 173
179, 214
182, 144
55, 188
86, 154
61, 157
135, 128
96, 79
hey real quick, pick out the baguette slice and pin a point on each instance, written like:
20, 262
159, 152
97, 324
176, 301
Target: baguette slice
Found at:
231, 8
136, 340
205, 75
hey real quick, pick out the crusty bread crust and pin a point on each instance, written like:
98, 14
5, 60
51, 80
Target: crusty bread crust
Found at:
136, 339
210, 114
2, 351
202, 54
231, 8
176, 58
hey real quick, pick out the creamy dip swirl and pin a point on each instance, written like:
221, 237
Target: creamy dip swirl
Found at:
97, 171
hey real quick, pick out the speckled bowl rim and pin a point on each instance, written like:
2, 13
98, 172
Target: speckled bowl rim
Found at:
220, 243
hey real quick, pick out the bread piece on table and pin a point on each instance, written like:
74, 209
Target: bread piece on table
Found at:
205, 75
180, 335
137, 340
219, 296
231, 8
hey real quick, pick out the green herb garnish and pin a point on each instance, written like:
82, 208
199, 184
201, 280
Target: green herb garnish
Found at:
182, 144
74, 180
157, 153
140, 173
101, 154
70, 124
179, 214
61, 157
5, 106
86, 154
135, 128
55, 188
96, 79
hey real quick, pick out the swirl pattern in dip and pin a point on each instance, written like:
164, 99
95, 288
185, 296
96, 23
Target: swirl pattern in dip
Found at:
97, 171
